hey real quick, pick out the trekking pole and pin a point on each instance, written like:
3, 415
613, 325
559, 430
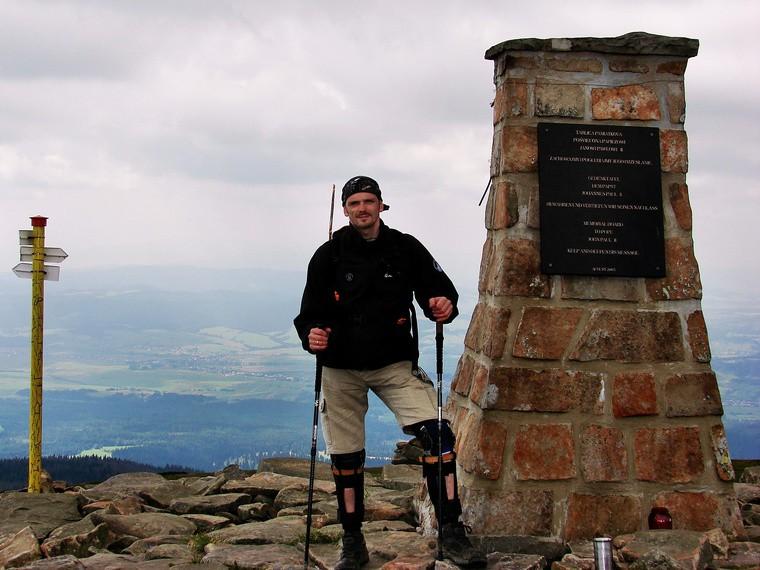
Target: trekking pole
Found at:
315, 422
441, 482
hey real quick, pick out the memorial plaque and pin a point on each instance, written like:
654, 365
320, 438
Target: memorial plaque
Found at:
600, 192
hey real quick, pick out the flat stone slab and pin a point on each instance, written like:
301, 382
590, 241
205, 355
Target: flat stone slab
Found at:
502, 561
255, 557
209, 504
269, 484
295, 467
384, 547
66, 562
401, 476
633, 43
150, 486
691, 550
99, 537
207, 523
742, 555
296, 495
107, 561
145, 525
42, 512
280, 530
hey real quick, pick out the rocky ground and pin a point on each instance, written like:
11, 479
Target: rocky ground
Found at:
237, 519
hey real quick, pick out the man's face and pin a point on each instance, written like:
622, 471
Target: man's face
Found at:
363, 210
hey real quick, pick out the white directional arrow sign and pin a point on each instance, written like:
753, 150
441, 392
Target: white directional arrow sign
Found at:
24, 270
52, 254
25, 237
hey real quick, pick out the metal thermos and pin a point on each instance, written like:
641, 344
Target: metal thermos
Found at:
603, 553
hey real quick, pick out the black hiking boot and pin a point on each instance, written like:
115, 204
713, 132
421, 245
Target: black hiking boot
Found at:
353, 554
458, 548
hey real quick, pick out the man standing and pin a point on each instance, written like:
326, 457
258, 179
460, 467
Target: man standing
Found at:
356, 317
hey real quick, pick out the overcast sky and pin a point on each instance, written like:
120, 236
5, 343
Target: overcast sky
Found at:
210, 133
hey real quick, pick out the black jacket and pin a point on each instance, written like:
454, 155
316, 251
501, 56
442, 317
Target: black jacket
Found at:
362, 290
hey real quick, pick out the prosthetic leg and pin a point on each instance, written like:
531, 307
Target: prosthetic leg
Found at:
456, 546
348, 472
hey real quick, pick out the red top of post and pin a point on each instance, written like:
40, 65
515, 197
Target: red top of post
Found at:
39, 221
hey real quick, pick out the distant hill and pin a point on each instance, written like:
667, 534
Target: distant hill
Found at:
74, 470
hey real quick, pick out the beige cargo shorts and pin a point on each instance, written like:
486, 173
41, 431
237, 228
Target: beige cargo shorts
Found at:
344, 401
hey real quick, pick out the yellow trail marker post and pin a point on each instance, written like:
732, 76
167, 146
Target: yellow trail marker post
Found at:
35, 393
38, 272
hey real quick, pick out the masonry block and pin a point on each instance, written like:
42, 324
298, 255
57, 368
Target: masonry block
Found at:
544, 452
679, 202
487, 265
560, 100
515, 99
482, 451
668, 455
674, 152
519, 149
676, 103
682, 274
472, 339
581, 64
629, 102
719, 444
628, 65
692, 395
501, 210
545, 332
694, 510
534, 208
479, 383
605, 288
677, 67
518, 270
494, 512
520, 62
463, 376
554, 390
631, 336
634, 394
589, 516
697, 334
603, 454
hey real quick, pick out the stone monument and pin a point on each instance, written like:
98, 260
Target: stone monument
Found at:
585, 395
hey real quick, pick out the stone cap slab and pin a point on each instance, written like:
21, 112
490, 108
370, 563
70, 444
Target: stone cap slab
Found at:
633, 43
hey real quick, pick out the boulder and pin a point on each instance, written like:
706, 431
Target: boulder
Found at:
254, 557
742, 555
173, 551
144, 525
21, 549
143, 545
550, 548
295, 467
80, 545
751, 475
151, 487
323, 512
42, 512
277, 530
751, 514
747, 492
256, 512
209, 504
689, 549
126, 506
718, 543
655, 560
270, 484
